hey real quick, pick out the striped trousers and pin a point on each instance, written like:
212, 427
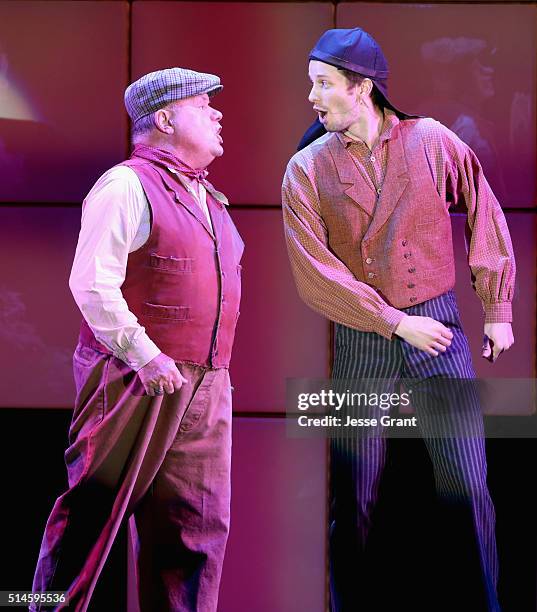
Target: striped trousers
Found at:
454, 438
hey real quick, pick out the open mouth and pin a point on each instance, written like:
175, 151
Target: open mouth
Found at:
321, 113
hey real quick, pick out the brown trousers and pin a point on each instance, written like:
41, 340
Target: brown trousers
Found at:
165, 462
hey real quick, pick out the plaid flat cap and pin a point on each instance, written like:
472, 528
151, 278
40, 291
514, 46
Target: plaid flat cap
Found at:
156, 89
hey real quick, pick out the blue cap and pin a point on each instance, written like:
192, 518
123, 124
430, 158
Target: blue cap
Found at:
357, 51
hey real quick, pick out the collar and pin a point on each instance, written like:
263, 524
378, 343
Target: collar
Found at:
391, 121
187, 182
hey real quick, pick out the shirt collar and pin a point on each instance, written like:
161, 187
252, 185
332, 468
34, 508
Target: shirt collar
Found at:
187, 184
391, 121
185, 180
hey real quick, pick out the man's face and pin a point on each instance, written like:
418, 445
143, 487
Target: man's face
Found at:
334, 100
197, 129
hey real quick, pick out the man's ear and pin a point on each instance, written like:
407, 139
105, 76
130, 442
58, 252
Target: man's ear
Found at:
366, 87
163, 123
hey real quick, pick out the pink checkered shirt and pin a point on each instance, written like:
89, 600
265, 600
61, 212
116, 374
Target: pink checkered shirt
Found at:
337, 234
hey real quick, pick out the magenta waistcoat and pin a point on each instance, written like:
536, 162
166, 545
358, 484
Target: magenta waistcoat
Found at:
184, 283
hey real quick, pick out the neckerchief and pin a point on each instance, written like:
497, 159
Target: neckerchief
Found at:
167, 159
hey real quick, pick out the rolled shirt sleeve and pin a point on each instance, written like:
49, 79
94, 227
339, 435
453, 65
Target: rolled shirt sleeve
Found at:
324, 283
112, 215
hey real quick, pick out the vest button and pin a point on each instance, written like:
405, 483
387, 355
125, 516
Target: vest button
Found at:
404, 242
407, 255
413, 299
371, 275
412, 270
368, 260
411, 285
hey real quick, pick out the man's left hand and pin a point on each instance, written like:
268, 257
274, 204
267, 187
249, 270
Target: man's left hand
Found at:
498, 338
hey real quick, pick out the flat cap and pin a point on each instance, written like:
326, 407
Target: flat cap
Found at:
155, 90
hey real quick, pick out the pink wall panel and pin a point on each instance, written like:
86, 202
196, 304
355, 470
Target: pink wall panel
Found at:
472, 67
38, 317
260, 52
63, 69
519, 361
275, 560
278, 336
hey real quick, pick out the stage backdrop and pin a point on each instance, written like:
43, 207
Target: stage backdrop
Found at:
63, 68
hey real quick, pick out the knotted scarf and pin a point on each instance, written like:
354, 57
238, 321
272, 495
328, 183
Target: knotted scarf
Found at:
166, 159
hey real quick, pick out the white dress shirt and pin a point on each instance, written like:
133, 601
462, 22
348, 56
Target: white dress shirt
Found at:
116, 222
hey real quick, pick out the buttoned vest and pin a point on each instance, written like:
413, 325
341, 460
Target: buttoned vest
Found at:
399, 242
183, 284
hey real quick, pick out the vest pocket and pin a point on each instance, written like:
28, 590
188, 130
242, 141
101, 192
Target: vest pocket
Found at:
177, 265
173, 313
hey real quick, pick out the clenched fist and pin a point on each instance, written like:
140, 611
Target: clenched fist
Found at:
498, 338
161, 375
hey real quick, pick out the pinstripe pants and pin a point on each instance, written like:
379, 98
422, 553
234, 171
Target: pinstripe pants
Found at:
459, 461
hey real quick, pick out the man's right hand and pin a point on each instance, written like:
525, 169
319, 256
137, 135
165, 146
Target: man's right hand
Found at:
161, 375
425, 333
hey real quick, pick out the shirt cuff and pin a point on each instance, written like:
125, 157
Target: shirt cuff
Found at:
498, 312
139, 353
388, 320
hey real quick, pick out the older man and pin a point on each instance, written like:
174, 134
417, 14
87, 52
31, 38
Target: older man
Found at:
366, 212
156, 276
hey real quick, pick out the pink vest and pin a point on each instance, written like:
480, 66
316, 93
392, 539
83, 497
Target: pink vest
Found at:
184, 283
